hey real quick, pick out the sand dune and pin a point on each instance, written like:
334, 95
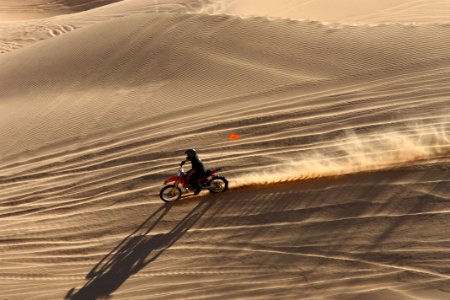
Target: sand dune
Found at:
17, 34
138, 64
338, 184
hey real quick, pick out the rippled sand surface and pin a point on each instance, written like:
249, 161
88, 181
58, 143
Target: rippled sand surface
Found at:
339, 182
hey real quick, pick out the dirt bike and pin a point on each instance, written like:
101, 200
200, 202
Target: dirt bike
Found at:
212, 182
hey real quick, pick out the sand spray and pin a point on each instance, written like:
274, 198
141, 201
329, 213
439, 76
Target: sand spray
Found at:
356, 153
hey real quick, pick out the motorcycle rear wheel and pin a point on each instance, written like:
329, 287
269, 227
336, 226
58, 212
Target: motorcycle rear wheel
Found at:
167, 194
218, 184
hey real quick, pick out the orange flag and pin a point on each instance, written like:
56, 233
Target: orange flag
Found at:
234, 136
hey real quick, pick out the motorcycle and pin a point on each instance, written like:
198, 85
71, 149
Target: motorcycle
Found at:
212, 182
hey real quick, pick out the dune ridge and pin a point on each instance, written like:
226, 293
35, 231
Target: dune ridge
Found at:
344, 12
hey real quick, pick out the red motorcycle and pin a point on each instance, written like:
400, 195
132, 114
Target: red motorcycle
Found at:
212, 182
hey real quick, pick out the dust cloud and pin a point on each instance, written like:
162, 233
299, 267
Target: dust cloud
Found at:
356, 153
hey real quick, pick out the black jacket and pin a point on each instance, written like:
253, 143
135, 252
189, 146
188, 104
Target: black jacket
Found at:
197, 165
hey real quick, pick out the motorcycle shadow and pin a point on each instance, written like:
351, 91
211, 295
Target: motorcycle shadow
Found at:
135, 252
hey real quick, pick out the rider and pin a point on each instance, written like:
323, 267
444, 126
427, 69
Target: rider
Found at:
197, 172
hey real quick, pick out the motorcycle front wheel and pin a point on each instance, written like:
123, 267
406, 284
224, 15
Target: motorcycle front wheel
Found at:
218, 184
168, 194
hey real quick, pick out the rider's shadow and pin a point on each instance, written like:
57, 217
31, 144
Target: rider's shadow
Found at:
134, 253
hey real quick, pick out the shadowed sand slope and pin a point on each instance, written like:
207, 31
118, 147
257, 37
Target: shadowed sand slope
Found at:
19, 28
33, 9
339, 181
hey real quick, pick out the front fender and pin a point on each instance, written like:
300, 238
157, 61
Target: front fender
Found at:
171, 179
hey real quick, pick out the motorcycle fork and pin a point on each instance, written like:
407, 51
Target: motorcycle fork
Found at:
175, 185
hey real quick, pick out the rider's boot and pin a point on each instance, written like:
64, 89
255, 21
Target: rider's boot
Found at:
197, 189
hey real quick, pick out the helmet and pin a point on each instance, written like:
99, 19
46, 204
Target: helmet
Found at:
190, 153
